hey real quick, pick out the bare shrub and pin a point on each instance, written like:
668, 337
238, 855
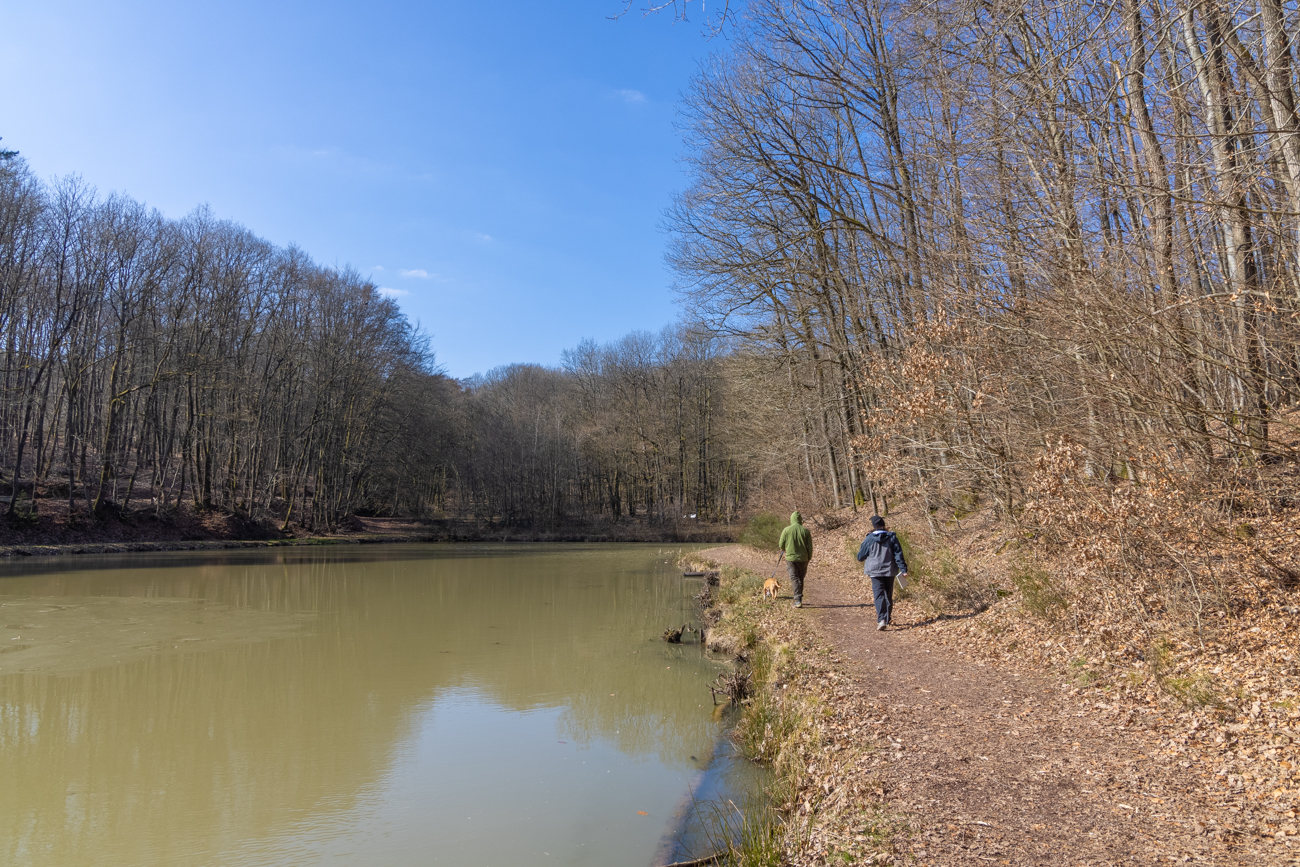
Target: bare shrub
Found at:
1038, 592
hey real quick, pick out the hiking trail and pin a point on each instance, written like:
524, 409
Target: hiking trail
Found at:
990, 765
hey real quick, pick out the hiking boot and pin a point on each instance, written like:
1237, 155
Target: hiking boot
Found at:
798, 604
880, 626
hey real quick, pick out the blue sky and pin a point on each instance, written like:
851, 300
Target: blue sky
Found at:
501, 168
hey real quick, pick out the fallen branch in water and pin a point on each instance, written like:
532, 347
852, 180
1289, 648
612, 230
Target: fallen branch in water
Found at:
734, 685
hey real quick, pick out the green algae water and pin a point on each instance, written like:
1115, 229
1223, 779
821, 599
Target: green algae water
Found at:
376, 705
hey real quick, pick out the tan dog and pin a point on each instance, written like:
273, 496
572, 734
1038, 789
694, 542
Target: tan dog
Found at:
770, 586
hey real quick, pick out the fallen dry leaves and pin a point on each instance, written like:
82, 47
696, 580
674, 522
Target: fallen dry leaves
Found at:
1002, 738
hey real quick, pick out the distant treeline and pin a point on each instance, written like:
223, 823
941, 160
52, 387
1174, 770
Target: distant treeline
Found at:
157, 363
645, 426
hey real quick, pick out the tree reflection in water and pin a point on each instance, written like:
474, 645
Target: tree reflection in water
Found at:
350, 705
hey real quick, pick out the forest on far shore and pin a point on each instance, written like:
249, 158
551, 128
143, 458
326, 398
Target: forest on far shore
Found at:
157, 365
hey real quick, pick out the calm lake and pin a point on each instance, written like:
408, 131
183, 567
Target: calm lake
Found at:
377, 705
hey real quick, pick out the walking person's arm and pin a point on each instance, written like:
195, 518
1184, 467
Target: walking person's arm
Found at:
898, 556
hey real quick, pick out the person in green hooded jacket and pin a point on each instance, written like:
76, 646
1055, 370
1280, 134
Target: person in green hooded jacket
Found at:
796, 544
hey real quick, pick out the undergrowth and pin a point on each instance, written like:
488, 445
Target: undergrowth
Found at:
765, 724
763, 532
1039, 592
746, 835
940, 582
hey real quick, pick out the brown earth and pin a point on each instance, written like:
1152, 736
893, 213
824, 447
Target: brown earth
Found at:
987, 761
57, 530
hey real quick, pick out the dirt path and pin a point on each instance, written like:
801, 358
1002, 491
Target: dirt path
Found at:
994, 767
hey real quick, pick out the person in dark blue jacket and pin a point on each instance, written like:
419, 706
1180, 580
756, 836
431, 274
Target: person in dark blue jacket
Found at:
881, 556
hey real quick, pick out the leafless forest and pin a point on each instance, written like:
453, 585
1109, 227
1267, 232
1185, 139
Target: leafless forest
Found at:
1040, 256
1043, 256
159, 367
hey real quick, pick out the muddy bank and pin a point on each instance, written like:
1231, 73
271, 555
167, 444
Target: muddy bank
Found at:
217, 531
193, 545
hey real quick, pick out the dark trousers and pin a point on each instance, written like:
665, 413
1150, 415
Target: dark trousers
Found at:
883, 589
797, 569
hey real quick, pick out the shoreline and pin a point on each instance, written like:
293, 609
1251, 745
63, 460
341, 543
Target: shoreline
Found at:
705, 535
788, 665
11, 551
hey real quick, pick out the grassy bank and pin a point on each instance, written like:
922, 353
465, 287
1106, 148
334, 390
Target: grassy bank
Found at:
795, 714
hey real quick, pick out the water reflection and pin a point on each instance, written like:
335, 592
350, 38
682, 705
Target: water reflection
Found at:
348, 706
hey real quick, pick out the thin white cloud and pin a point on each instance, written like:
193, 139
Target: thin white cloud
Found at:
482, 238
393, 293
336, 159
419, 273
632, 96
378, 268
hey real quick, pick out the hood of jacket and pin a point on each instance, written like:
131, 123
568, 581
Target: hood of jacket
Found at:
795, 517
